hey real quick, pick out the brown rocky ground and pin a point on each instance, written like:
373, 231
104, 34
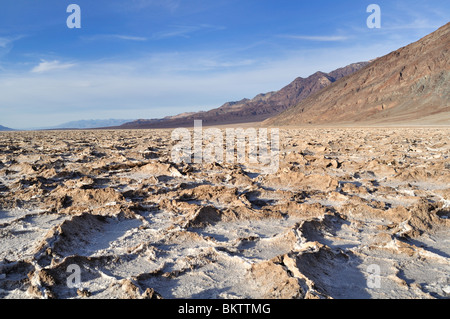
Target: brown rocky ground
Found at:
140, 226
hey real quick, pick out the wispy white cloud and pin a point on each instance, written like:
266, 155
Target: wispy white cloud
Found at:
178, 31
212, 64
97, 37
168, 4
129, 38
417, 24
320, 38
137, 5
184, 31
6, 41
46, 66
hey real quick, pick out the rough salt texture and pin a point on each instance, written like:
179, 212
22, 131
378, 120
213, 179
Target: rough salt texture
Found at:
343, 204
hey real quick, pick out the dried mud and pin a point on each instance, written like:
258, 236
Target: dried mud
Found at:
137, 225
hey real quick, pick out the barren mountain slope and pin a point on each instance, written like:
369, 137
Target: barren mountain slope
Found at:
410, 85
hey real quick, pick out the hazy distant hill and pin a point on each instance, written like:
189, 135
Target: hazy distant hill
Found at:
261, 107
409, 86
84, 124
3, 128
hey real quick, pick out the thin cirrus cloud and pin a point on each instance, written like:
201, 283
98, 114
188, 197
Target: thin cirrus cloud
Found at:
170, 5
318, 38
130, 38
7, 41
4, 42
47, 66
185, 31
97, 37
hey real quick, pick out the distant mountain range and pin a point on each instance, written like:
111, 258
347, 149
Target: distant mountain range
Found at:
258, 109
86, 124
3, 128
82, 124
408, 86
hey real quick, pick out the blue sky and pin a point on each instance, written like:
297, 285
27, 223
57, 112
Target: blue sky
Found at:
153, 58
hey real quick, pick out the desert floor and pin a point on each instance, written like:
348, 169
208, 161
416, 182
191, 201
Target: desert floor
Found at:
350, 213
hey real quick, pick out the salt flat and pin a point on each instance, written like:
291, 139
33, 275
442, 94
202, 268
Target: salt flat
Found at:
350, 213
